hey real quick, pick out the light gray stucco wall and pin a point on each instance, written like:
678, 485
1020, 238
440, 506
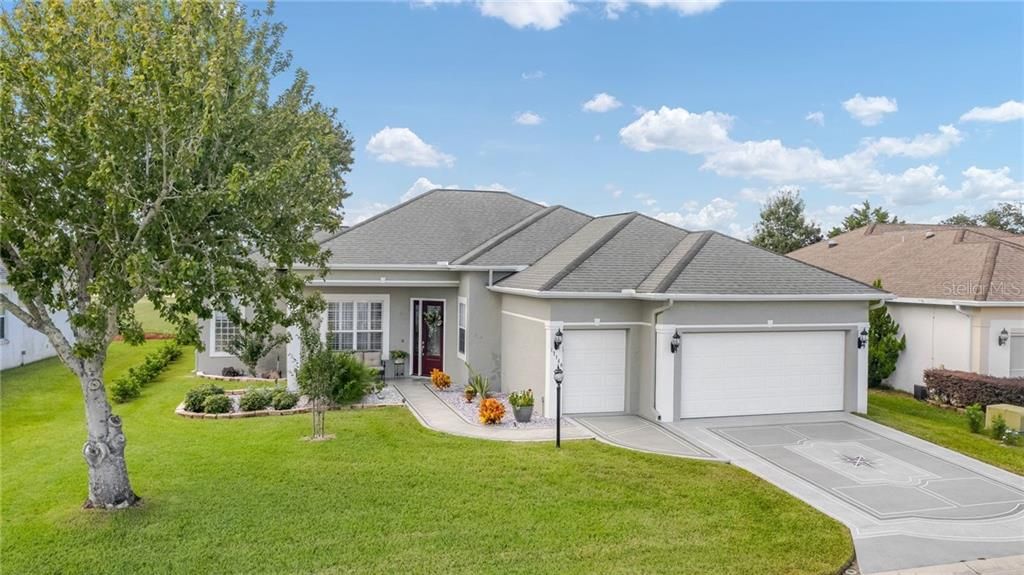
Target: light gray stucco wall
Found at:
483, 330
274, 361
523, 350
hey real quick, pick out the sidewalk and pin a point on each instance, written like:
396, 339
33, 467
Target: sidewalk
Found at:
1000, 566
434, 414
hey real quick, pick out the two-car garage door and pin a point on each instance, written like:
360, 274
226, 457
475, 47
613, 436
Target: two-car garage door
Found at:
753, 373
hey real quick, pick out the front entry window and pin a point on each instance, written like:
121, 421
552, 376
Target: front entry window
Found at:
355, 326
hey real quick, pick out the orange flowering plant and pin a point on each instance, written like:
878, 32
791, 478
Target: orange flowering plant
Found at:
440, 379
491, 411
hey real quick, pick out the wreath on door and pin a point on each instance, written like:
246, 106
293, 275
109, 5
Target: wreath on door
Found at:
433, 319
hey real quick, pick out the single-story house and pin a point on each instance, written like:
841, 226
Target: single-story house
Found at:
960, 293
20, 344
642, 317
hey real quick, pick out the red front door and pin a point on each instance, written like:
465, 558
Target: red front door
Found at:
431, 336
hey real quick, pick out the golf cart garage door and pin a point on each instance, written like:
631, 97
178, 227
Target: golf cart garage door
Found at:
595, 371
755, 373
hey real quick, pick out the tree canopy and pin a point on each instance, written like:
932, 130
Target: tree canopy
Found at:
863, 215
1006, 216
783, 226
143, 154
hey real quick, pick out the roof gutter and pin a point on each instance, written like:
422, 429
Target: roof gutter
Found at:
677, 297
957, 302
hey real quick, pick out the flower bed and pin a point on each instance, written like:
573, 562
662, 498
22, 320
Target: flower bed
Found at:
469, 411
389, 396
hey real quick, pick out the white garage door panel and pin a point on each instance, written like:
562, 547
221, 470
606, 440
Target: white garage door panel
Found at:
595, 371
758, 373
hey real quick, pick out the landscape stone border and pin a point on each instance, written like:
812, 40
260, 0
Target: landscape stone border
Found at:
180, 410
239, 378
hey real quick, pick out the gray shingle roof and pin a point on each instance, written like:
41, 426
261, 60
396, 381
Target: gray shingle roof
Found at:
569, 252
440, 225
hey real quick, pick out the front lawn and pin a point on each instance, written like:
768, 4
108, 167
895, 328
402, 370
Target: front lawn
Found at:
387, 496
946, 427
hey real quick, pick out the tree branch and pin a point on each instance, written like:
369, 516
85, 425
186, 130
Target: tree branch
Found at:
20, 313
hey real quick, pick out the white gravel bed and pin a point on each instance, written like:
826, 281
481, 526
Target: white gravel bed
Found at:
388, 396
469, 411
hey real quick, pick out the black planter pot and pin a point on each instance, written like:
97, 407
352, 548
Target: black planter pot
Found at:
523, 414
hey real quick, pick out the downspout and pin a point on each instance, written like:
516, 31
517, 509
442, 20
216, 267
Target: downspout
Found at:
654, 364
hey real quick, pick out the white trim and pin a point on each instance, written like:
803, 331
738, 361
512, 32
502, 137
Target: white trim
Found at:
862, 371
213, 334
415, 344
595, 323
527, 317
386, 282
956, 302
385, 319
691, 297
666, 327
462, 303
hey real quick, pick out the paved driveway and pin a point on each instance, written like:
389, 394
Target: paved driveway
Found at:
907, 502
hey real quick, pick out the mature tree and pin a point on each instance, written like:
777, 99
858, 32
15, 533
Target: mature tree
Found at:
863, 215
1006, 216
142, 156
884, 343
783, 227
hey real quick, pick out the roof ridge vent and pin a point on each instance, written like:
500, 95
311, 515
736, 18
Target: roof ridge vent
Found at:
832, 243
929, 234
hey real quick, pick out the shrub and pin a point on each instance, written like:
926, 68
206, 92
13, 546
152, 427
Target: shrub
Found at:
998, 429
339, 377
440, 379
521, 398
975, 418
230, 372
469, 393
284, 400
491, 411
252, 346
884, 343
217, 404
195, 397
480, 384
129, 386
1012, 438
961, 388
125, 389
256, 398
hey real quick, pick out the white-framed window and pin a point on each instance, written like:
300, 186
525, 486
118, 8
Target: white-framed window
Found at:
463, 322
356, 323
223, 333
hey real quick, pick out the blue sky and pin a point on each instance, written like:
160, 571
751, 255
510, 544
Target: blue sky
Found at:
696, 111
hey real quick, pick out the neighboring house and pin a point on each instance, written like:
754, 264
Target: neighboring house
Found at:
960, 293
651, 319
20, 344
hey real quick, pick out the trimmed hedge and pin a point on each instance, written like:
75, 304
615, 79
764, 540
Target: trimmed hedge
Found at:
196, 397
129, 386
962, 388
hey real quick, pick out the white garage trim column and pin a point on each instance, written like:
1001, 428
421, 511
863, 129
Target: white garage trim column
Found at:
293, 354
665, 373
552, 358
862, 372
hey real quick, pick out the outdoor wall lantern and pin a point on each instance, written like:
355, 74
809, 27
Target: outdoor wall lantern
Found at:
862, 340
558, 339
676, 341
1004, 336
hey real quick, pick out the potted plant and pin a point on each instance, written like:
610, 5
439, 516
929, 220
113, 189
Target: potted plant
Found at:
399, 356
469, 393
522, 405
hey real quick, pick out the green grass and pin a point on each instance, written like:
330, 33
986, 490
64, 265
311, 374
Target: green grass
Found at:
386, 496
150, 318
946, 427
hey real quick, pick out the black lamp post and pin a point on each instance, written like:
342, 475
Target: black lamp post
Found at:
559, 376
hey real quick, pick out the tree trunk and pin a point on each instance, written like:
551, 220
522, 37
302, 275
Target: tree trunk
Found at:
109, 487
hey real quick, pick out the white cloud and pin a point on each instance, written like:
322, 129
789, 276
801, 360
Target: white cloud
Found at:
540, 15
771, 160
614, 8
601, 103
646, 200
982, 184
493, 187
597, 137
403, 146
755, 195
362, 212
1006, 112
639, 110
422, 186
534, 75
529, 119
921, 146
718, 214
615, 191
677, 129
869, 110
816, 118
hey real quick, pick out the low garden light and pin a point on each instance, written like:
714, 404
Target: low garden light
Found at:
557, 341
862, 339
1004, 336
676, 342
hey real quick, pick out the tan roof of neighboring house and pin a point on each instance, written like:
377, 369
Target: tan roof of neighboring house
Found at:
927, 261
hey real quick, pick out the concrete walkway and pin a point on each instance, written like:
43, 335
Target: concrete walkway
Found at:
435, 414
1001, 566
638, 434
